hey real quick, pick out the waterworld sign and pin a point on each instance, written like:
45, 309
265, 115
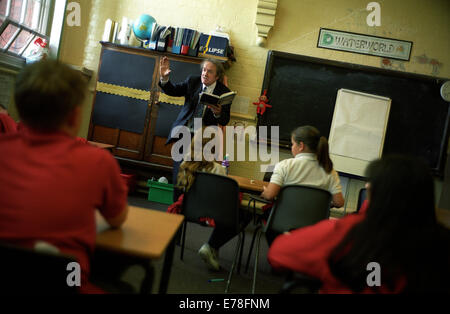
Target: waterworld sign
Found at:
369, 45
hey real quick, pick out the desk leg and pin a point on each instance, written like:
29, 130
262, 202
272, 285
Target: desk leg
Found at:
147, 282
167, 267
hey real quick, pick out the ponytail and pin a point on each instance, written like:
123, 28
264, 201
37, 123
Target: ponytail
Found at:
310, 136
323, 156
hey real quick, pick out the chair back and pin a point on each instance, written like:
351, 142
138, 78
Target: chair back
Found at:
362, 196
26, 271
215, 196
299, 206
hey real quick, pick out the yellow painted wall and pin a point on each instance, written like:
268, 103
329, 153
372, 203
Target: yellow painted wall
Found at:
296, 29
297, 23
425, 23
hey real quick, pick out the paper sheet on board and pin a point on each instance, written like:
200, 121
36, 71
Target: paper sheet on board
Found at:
359, 125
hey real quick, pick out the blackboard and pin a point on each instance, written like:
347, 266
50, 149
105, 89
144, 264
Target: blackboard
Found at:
302, 91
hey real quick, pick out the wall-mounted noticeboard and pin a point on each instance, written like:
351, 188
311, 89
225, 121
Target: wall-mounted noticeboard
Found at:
358, 130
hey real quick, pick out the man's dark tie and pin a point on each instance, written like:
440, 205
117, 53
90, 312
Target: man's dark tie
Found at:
200, 107
198, 112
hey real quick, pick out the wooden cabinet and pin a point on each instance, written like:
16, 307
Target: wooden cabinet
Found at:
129, 111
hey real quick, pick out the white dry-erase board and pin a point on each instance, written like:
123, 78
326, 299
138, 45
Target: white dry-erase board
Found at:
357, 130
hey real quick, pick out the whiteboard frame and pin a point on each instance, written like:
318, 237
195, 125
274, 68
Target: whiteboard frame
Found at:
351, 165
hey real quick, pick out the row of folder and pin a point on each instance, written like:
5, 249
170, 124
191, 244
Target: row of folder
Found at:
185, 41
177, 40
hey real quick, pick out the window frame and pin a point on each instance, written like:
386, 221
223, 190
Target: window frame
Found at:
50, 24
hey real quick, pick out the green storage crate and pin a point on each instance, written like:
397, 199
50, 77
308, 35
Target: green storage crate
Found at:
160, 192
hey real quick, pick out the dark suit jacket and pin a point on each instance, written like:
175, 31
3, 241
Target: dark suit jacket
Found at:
190, 89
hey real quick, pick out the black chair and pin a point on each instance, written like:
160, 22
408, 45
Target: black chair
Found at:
217, 197
362, 196
27, 271
297, 206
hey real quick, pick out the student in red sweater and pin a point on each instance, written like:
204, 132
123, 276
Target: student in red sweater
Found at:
51, 184
397, 230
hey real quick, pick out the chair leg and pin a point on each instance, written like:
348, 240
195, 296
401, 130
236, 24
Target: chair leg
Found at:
241, 250
251, 247
183, 238
255, 268
236, 251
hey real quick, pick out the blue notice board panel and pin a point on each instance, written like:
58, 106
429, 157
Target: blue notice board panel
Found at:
167, 113
127, 70
182, 70
119, 112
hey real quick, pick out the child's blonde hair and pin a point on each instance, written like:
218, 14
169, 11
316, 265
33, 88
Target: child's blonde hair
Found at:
195, 161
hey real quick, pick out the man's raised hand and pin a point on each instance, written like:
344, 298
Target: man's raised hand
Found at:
164, 68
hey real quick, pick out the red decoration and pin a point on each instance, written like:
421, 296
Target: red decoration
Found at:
262, 103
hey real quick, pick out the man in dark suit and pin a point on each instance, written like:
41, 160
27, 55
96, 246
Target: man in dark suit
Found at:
209, 81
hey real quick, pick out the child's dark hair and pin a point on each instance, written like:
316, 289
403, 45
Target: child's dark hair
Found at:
400, 231
46, 92
317, 144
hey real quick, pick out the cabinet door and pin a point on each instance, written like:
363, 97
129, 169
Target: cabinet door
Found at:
165, 111
120, 112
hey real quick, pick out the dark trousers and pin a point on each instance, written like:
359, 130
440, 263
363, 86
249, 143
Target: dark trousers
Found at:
221, 235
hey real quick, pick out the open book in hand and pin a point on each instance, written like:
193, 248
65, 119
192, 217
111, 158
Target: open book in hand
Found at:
211, 99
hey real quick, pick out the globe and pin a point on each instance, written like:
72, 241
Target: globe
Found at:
142, 27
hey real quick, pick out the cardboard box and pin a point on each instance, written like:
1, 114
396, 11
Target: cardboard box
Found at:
213, 45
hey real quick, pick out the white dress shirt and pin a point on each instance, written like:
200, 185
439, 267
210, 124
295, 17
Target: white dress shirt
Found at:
305, 169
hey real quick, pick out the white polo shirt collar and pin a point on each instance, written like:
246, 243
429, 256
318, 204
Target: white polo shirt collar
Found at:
308, 156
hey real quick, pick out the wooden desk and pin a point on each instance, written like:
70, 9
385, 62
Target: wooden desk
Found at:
102, 145
250, 185
146, 234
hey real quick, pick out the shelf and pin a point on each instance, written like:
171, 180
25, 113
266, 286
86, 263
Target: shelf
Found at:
163, 53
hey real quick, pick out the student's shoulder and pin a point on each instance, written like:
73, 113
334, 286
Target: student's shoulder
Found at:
91, 154
218, 169
287, 162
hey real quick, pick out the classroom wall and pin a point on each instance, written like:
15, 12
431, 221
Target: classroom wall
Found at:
296, 29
